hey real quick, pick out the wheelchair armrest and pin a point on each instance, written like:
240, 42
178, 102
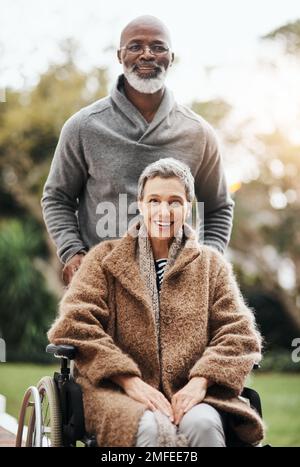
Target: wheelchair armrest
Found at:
253, 398
63, 351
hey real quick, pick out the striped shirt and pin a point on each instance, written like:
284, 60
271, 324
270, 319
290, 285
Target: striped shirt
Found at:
160, 265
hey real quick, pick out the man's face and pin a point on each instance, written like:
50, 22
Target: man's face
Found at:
145, 71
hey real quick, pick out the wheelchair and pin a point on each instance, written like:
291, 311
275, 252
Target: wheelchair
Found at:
54, 409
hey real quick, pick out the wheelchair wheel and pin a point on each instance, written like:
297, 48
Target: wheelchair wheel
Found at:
31, 405
51, 425
44, 426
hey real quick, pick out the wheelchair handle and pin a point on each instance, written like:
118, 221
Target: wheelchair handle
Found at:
62, 351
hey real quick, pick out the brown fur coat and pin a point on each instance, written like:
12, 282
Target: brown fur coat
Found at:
206, 329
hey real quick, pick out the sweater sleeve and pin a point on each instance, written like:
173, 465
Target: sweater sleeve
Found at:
234, 342
67, 176
211, 189
83, 316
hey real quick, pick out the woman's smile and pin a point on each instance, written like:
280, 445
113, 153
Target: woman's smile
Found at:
163, 225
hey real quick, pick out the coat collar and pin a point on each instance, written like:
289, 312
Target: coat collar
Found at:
122, 261
131, 112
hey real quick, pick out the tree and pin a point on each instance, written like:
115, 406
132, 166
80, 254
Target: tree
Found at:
266, 233
27, 307
288, 35
30, 123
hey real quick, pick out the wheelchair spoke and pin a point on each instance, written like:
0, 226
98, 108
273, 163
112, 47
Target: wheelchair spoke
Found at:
46, 421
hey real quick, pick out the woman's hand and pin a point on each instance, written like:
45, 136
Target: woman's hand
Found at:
191, 394
140, 391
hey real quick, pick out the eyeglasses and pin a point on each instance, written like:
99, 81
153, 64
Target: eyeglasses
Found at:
137, 49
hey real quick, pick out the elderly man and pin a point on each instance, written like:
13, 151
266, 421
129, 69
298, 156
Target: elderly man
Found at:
104, 147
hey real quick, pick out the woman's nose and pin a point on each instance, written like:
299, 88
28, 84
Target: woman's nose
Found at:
164, 211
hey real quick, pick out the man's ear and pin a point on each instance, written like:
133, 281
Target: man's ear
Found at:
119, 55
172, 59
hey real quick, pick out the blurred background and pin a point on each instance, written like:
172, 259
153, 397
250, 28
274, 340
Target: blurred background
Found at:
238, 66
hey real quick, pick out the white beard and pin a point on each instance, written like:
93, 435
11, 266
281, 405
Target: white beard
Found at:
145, 85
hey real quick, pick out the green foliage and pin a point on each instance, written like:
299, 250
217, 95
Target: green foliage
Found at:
289, 35
30, 123
280, 361
214, 111
26, 306
266, 231
275, 324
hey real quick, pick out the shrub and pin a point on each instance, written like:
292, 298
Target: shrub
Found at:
27, 308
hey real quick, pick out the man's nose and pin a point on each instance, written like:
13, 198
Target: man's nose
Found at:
147, 53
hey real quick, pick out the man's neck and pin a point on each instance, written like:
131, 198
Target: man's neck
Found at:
147, 104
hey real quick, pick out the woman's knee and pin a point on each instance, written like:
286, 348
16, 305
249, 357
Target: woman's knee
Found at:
202, 416
147, 430
203, 425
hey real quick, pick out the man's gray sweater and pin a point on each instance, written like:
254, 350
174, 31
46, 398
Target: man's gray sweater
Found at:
101, 153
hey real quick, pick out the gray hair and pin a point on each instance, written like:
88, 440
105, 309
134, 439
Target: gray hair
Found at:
167, 168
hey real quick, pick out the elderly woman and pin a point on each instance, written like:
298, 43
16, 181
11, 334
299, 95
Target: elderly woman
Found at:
165, 340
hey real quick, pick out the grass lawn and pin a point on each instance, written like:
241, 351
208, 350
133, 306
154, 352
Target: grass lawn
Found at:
280, 394
15, 378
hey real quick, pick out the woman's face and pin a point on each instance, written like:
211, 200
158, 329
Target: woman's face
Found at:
164, 206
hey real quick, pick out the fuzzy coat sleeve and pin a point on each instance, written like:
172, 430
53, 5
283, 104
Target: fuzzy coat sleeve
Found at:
83, 315
234, 342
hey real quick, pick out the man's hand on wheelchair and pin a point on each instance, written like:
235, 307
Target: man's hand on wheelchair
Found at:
71, 267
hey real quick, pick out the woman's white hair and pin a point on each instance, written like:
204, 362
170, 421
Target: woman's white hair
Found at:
167, 168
